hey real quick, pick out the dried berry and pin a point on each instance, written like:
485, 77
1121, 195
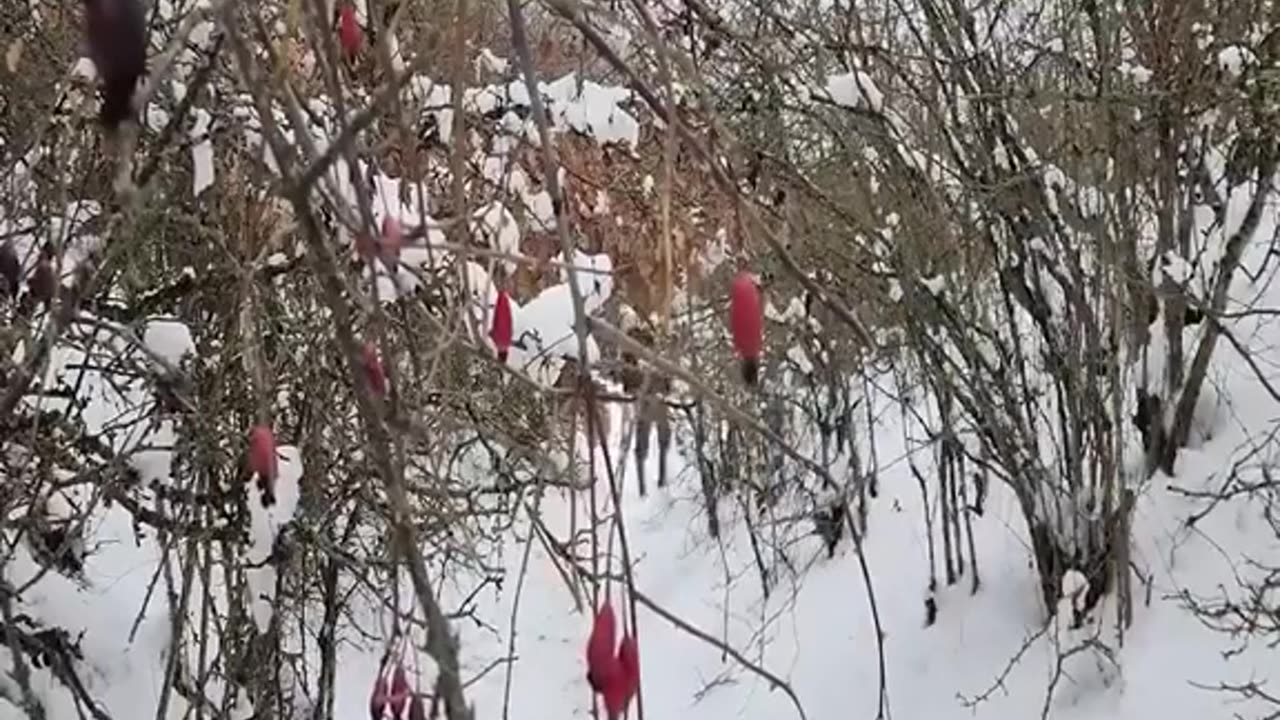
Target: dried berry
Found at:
373, 369
43, 283
117, 35
262, 453
746, 324
501, 331
399, 695
416, 709
602, 663
626, 682
350, 36
390, 242
10, 271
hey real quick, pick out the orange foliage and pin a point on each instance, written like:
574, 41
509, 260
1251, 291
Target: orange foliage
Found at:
610, 210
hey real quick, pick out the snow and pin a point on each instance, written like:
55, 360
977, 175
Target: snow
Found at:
715, 252
169, 339
202, 174
814, 629
800, 358
1137, 73
936, 284
574, 103
1176, 268
545, 323
487, 59
265, 523
962, 654
85, 69
497, 225
1233, 59
594, 274
808, 627
855, 90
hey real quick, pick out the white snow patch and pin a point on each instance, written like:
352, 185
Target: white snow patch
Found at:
855, 90
169, 339
202, 174
935, 284
1234, 59
264, 526
498, 226
1176, 268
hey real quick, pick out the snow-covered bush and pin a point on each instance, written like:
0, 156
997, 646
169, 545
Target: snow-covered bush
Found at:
265, 448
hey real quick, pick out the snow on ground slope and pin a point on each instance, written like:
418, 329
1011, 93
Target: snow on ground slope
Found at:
822, 641
815, 632
820, 637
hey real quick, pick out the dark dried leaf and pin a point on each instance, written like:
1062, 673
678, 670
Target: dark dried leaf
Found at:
117, 35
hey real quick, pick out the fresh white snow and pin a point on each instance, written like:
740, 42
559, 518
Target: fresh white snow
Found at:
815, 632
855, 90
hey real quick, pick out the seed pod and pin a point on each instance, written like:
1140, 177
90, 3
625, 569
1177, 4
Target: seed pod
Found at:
623, 686
602, 663
399, 695
416, 709
373, 369
43, 284
117, 35
349, 33
500, 333
10, 271
629, 662
746, 324
262, 453
390, 242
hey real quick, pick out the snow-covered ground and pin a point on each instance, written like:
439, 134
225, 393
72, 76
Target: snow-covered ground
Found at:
815, 632
819, 635
987, 655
